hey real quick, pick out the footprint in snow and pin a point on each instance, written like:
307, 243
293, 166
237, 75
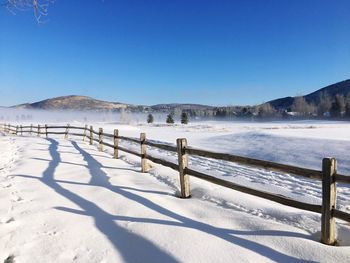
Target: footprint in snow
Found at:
10, 259
6, 185
6, 220
15, 197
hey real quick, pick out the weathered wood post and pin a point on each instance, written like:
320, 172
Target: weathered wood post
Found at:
183, 164
91, 135
329, 197
16, 130
144, 168
100, 139
31, 129
85, 130
66, 132
115, 140
46, 130
21, 129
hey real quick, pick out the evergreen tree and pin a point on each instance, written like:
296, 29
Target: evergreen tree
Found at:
347, 110
337, 106
347, 106
184, 118
169, 119
150, 118
266, 111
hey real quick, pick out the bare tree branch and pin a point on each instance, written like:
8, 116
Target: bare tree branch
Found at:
39, 7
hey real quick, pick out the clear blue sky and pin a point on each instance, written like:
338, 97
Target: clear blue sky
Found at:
220, 52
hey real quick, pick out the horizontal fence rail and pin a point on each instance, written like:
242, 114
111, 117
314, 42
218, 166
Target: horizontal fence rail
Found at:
272, 197
328, 175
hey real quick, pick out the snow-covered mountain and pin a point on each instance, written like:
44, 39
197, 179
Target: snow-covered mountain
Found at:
339, 88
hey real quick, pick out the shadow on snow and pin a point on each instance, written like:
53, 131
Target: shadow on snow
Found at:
135, 248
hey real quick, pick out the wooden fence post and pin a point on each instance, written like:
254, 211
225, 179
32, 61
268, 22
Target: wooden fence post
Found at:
115, 140
31, 129
67, 130
85, 130
16, 130
38, 130
329, 197
144, 168
21, 129
183, 164
46, 130
100, 139
91, 135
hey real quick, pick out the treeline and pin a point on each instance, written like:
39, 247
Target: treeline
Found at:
324, 107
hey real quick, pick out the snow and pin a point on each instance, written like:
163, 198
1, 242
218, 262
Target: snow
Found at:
64, 201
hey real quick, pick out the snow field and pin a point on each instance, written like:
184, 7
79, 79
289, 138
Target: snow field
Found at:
71, 203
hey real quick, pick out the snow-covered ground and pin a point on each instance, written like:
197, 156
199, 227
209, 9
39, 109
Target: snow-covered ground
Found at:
64, 201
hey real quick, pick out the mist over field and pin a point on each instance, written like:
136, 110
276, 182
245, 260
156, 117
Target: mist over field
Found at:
59, 116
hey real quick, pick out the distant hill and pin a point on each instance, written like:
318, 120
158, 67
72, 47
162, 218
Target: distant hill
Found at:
341, 88
83, 103
73, 102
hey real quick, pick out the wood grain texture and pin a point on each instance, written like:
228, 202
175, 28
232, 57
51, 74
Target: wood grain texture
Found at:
183, 165
329, 197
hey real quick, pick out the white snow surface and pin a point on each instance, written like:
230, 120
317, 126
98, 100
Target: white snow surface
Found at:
64, 201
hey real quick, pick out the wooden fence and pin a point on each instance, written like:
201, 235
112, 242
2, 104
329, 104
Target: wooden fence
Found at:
328, 175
